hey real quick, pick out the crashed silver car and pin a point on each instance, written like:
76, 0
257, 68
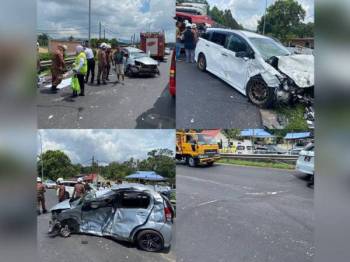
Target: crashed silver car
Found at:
129, 213
257, 66
137, 62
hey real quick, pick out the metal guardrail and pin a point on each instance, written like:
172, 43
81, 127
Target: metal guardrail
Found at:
261, 157
45, 64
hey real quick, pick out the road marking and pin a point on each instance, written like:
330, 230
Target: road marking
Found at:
265, 193
206, 203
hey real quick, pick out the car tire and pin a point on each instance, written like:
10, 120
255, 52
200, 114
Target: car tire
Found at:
202, 62
150, 241
128, 72
259, 93
192, 162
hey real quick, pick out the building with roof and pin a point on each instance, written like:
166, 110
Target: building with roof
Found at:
217, 135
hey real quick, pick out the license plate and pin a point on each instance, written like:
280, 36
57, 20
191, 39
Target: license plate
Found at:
307, 159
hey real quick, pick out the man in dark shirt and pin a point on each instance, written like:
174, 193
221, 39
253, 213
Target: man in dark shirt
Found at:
189, 43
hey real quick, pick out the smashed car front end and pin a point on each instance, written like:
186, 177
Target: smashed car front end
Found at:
145, 65
295, 78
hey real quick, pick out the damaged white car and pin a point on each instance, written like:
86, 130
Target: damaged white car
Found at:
137, 62
257, 66
131, 213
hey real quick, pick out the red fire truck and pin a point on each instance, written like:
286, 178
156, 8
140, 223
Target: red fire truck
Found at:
153, 44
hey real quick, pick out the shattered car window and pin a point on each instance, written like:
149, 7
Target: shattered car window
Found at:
134, 200
268, 47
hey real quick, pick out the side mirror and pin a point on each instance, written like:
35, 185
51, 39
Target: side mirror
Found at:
245, 54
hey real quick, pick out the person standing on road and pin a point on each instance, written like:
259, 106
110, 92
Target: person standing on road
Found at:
102, 62
108, 60
189, 43
61, 190
90, 63
179, 44
58, 67
79, 189
119, 63
40, 195
195, 34
80, 69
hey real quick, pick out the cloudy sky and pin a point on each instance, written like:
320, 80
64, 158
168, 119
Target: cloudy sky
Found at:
248, 12
105, 145
122, 18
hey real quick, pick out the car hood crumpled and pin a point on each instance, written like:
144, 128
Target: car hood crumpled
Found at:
146, 60
300, 68
62, 205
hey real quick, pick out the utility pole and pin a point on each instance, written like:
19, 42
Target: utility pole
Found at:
89, 21
104, 32
265, 17
99, 36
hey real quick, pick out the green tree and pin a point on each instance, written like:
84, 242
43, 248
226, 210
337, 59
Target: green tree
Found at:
43, 39
56, 164
232, 133
283, 19
224, 17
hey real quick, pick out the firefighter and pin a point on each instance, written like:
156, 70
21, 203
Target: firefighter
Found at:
79, 189
58, 67
61, 190
80, 68
108, 60
102, 63
40, 191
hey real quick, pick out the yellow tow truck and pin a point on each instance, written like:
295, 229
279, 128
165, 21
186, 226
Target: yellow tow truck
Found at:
196, 148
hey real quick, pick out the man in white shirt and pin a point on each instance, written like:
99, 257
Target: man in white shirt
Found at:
90, 62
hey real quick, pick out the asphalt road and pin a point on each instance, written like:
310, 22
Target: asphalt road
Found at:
100, 249
203, 101
142, 102
243, 214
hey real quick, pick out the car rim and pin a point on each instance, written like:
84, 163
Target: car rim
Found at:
259, 92
65, 231
201, 63
151, 242
191, 161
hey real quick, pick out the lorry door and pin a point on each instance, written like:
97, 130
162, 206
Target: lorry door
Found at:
134, 209
96, 214
236, 68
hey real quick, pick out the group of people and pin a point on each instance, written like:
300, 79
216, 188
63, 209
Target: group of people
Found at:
186, 38
84, 65
79, 191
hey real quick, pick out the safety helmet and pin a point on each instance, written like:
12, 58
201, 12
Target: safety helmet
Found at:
80, 180
38, 179
79, 49
59, 180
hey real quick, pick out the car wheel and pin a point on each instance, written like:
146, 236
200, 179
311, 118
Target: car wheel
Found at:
259, 93
149, 240
65, 231
202, 63
128, 72
192, 162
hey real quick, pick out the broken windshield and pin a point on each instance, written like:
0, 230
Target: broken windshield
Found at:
269, 47
138, 55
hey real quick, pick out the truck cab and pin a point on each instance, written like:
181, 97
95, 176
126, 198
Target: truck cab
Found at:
196, 148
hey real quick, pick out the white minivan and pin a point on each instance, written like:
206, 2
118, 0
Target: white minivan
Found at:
305, 162
257, 66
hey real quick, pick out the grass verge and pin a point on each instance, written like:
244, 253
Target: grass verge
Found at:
279, 165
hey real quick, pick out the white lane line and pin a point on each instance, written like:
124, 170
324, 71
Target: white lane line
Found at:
206, 203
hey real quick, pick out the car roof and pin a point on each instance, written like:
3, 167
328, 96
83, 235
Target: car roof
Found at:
133, 49
238, 32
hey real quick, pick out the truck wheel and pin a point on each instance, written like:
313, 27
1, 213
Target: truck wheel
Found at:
202, 63
259, 93
192, 162
149, 240
210, 163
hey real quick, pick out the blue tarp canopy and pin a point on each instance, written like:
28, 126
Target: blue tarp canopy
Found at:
146, 175
260, 133
297, 135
